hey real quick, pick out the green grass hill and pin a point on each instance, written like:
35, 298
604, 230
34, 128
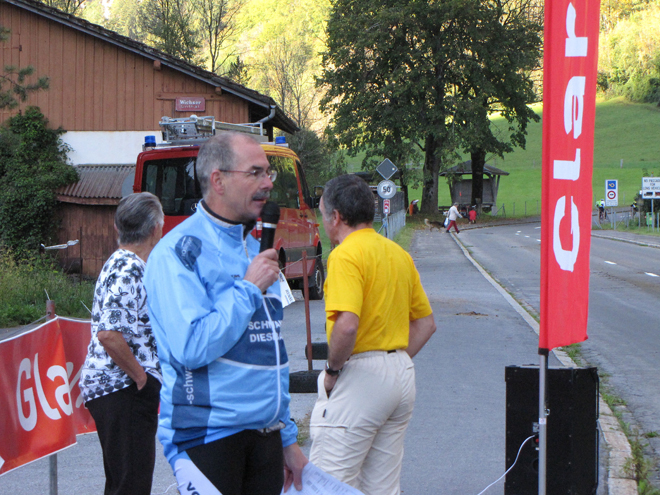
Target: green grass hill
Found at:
627, 141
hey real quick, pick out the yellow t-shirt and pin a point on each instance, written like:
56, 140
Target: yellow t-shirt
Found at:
374, 278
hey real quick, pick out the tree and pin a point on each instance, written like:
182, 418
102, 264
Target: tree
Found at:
73, 7
390, 69
13, 87
319, 155
32, 165
507, 50
217, 25
170, 27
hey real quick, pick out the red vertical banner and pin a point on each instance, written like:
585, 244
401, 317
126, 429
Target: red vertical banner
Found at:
569, 114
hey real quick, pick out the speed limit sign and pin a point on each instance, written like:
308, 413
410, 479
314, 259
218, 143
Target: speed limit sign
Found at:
386, 189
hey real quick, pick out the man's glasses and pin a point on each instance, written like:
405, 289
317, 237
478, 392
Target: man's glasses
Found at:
257, 174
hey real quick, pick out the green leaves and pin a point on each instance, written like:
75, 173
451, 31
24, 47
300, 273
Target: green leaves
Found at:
33, 165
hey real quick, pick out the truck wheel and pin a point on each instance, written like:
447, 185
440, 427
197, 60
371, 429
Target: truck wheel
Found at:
316, 281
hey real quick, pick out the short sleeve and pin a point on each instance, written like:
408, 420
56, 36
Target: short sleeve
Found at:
344, 284
420, 306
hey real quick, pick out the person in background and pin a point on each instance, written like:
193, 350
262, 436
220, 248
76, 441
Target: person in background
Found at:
121, 378
367, 392
217, 311
453, 214
472, 215
413, 209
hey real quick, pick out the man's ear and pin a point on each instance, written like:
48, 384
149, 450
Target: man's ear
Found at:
217, 181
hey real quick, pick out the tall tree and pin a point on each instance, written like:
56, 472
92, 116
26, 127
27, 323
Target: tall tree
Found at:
499, 79
170, 25
217, 26
389, 71
13, 86
73, 7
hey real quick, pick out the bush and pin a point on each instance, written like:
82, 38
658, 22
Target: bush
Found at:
33, 163
23, 287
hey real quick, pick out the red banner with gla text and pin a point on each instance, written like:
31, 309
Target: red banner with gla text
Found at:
569, 113
42, 410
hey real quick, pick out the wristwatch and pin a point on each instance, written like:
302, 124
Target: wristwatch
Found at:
330, 371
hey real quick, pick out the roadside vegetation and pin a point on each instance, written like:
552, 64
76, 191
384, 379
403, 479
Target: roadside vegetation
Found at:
26, 286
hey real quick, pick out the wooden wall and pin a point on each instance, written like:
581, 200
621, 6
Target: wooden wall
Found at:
93, 225
97, 86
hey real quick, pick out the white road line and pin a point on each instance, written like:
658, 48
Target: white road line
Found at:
535, 228
527, 236
652, 274
610, 262
538, 240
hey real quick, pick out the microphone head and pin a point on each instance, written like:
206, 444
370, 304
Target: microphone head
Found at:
270, 213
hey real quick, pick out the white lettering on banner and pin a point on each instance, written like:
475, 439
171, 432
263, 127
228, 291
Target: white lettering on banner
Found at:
28, 423
566, 259
74, 382
574, 105
263, 337
566, 169
575, 46
570, 170
62, 394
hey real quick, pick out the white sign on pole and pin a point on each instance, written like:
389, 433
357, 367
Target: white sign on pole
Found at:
611, 193
386, 189
386, 207
650, 187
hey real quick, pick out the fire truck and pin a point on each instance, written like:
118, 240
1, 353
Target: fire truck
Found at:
168, 170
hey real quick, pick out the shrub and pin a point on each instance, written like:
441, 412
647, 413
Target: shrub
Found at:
33, 163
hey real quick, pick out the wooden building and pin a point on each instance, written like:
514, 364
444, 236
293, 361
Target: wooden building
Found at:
460, 188
108, 92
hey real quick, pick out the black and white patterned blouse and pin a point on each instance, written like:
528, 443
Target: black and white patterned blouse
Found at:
120, 304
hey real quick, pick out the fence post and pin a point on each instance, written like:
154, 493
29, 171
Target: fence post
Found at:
50, 314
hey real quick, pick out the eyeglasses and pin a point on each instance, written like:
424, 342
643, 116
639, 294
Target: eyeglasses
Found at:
257, 173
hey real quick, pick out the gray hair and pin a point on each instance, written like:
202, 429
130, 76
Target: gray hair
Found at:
351, 197
217, 153
136, 217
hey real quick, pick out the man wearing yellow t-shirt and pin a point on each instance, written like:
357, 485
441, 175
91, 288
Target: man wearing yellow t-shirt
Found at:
378, 318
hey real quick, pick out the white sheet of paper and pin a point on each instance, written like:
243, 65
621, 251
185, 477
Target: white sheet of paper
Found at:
287, 295
317, 482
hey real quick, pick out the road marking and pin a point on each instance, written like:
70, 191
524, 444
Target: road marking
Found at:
610, 262
538, 240
536, 228
652, 274
527, 236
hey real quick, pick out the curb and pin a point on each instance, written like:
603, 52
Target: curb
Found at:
619, 479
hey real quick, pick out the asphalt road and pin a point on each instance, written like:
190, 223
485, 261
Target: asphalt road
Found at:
624, 314
455, 444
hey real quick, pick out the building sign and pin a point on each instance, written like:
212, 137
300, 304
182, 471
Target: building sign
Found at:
190, 104
569, 110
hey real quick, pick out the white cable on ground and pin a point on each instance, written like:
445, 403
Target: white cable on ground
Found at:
512, 465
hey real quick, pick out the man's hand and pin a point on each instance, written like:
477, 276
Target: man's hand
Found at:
294, 462
329, 383
263, 270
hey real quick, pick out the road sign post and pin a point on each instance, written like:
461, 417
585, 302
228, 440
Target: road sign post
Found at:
611, 193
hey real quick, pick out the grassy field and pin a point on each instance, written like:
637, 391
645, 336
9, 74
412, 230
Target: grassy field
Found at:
624, 131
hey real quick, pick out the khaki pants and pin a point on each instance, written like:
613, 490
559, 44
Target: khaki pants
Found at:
358, 432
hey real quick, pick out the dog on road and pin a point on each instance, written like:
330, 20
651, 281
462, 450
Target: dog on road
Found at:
432, 224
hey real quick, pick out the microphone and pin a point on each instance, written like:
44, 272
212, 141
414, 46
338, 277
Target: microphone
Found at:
270, 215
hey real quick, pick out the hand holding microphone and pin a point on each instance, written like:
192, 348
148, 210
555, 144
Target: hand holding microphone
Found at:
264, 269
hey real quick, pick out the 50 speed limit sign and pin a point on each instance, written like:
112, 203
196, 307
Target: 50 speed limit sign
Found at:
386, 189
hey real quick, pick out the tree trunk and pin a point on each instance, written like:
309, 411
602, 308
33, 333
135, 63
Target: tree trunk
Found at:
431, 169
478, 158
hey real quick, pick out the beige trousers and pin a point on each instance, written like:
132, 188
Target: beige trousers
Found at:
358, 432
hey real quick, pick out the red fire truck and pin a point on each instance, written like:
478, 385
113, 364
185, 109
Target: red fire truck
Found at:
168, 171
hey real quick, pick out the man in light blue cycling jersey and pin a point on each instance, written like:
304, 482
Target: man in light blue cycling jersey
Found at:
216, 312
